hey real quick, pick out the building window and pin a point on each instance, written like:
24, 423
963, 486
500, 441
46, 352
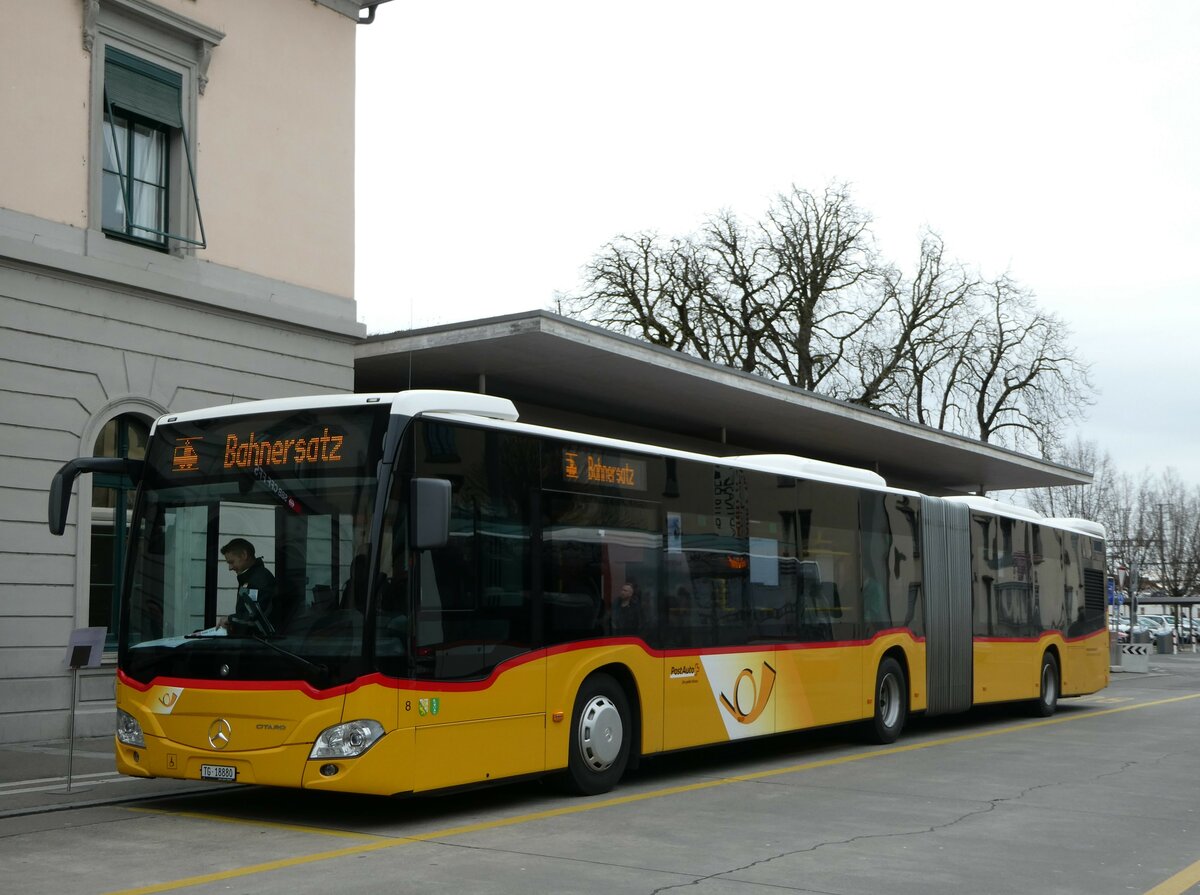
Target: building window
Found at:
112, 504
149, 68
142, 111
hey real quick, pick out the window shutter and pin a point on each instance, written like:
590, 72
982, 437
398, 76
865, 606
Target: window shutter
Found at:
143, 88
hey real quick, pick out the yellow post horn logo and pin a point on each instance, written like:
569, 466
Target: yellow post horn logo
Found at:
759, 698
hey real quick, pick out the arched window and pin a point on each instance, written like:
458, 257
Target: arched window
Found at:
112, 504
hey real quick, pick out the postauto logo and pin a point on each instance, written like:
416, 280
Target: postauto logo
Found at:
750, 698
742, 687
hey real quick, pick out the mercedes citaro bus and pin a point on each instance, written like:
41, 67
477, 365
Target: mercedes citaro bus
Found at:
450, 597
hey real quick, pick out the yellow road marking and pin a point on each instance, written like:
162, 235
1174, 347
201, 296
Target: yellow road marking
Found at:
1179, 883
579, 808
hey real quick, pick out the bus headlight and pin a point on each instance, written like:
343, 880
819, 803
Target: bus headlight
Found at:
348, 740
129, 731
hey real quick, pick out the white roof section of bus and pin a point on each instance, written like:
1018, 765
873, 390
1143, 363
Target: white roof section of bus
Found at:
1012, 511
274, 405
408, 403
420, 401
1082, 526
806, 468
780, 464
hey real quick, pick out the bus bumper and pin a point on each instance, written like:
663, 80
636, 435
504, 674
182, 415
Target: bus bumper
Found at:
385, 769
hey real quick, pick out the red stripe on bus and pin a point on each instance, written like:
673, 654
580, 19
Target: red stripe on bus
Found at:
378, 679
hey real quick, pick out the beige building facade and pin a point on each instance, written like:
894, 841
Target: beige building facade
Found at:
176, 231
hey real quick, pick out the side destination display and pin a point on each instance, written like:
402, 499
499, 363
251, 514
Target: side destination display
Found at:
594, 468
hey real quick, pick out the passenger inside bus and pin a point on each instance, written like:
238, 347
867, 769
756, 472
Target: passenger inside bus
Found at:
626, 614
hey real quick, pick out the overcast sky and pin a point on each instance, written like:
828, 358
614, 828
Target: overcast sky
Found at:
500, 145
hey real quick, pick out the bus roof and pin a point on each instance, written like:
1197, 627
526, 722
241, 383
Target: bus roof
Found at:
408, 403
502, 413
1013, 511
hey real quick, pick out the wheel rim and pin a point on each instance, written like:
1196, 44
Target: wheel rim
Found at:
601, 733
889, 700
1049, 684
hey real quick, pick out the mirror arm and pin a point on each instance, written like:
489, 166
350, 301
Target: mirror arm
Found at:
64, 479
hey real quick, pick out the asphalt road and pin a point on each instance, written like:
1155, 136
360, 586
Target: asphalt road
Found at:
1102, 798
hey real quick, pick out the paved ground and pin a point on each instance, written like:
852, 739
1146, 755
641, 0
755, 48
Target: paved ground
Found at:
34, 778
1104, 797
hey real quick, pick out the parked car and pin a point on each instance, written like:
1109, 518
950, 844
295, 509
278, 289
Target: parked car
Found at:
1145, 625
1186, 630
1155, 623
1167, 623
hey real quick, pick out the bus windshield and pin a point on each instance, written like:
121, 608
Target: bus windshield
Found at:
250, 548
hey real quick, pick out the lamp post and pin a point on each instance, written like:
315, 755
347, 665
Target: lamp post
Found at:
1133, 589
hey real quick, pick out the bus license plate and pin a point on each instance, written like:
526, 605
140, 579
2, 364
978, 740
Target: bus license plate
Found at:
224, 772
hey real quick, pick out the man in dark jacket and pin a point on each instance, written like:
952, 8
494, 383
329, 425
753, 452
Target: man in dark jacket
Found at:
256, 586
626, 615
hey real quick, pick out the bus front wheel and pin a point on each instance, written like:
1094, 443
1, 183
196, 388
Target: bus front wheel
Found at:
891, 702
600, 734
1047, 701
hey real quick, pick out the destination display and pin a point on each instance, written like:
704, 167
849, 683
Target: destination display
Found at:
247, 453
289, 444
595, 468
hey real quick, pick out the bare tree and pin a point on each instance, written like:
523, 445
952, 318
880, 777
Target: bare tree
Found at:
802, 296
740, 294
639, 287
1139, 536
826, 263
1152, 521
1178, 534
777, 297
1020, 372
1097, 501
916, 338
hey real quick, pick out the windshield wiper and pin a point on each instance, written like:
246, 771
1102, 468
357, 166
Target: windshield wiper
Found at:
322, 670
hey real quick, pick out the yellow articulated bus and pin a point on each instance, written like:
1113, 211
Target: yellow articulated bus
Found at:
412, 592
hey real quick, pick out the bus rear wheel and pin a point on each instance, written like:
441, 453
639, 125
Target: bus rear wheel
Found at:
891, 702
600, 735
1047, 701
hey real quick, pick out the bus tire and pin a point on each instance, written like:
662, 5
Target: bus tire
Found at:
1048, 688
600, 736
891, 703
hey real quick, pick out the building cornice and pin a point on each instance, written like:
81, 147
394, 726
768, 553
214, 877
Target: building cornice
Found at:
89, 256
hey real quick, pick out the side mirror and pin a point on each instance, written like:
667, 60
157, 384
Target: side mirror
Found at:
429, 519
60, 485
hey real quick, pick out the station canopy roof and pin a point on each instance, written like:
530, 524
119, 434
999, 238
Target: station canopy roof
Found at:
570, 375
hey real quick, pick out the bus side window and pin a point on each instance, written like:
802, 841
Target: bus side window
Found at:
600, 567
831, 603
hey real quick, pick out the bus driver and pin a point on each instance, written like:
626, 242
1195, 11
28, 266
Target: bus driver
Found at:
256, 585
